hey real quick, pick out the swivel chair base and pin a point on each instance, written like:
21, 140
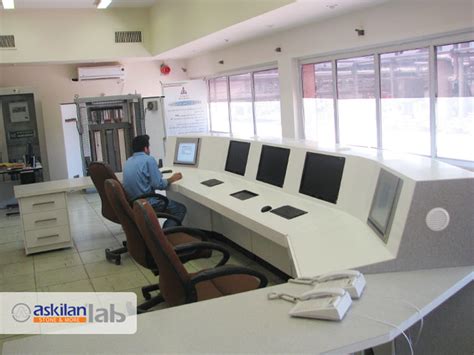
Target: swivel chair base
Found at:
147, 289
115, 255
145, 306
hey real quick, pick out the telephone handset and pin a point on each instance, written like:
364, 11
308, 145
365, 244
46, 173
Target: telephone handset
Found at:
329, 303
322, 293
322, 303
352, 281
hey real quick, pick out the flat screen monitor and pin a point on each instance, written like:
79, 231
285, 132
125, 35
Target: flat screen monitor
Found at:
237, 156
384, 203
272, 166
322, 175
186, 151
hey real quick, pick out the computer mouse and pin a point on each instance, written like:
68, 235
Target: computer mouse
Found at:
266, 208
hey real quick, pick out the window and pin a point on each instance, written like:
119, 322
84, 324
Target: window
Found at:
417, 100
318, 102
218, 105
254, 103
356, 101
405, 103
241, 104
267, 103
455, 103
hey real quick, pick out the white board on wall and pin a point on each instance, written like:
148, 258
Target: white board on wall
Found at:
186, 108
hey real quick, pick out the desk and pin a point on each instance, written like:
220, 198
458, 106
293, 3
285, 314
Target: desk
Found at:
322, 240
44, 213
249, 323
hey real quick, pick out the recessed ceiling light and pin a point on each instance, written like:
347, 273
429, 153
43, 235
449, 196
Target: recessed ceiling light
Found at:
103, 4
8, 4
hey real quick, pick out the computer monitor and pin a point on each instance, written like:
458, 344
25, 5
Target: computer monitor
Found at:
384, 203
322, 175
237, 156
186, 151
272, 165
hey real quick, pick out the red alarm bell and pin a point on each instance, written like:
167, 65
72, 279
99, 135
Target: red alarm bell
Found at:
165, 69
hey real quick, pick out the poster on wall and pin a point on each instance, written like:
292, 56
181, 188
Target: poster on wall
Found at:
186, 109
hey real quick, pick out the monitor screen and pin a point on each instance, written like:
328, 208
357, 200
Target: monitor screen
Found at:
272, 166
322, 175
384, 203
237, 156
186, 151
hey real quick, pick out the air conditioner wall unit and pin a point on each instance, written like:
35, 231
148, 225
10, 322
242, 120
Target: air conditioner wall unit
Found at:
101, 73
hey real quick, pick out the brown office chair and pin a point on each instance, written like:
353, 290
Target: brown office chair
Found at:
177, 286
188, 243
99, 172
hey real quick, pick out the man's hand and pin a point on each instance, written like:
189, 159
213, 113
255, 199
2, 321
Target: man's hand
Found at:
175, 177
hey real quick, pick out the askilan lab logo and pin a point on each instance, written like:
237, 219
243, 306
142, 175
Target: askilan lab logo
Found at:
64, 313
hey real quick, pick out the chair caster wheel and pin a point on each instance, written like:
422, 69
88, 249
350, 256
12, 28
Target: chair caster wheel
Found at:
147, 295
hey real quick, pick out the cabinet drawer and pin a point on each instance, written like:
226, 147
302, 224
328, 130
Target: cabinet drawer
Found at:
46, 236
42, 203
48, 219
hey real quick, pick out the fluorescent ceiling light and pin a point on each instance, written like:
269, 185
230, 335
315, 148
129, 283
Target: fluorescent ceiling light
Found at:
8, 4
103, 4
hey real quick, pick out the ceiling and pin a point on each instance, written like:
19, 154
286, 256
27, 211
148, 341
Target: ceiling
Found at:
292, 15
77, 4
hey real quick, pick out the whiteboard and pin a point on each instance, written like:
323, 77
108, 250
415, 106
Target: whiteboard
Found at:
186, 108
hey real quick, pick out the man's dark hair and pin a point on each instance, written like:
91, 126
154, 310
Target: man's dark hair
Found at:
139, 143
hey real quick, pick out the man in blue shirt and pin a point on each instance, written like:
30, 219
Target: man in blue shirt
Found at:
142, 176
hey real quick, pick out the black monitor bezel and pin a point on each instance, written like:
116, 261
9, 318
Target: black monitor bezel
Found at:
259, 177
228, 155
305, 170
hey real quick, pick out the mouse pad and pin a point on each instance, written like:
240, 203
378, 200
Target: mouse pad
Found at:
288, 212
212, 182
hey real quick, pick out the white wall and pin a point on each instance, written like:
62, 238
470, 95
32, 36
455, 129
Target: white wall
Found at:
53, 85
395, 21
43, 36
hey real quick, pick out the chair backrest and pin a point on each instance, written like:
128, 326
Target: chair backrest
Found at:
175, 283
99, 172
136, 246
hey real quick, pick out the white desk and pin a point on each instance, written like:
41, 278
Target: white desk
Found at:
249, 323
322, 240
44, 213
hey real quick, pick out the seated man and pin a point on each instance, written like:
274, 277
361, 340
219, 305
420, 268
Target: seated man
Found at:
142, 176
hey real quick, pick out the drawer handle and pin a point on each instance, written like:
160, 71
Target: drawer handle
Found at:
43, 203
46, 220
48, 236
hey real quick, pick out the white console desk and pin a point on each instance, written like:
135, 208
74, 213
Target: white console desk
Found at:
249, 323
312, 239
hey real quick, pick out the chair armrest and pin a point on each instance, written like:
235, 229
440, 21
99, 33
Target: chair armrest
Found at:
191, 231
227, 270
153, 194
192, 247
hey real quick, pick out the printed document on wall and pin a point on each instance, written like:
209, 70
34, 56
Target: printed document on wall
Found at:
186, 108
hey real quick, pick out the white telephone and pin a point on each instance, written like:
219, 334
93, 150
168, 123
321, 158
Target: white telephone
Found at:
322, 303
352, 281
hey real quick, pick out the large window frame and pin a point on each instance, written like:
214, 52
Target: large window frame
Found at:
252, 73
430, 43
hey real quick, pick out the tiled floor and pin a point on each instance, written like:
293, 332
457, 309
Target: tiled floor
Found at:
84, 268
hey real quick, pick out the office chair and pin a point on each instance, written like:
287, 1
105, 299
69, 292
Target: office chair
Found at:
188, 243
177, 286
99, 172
